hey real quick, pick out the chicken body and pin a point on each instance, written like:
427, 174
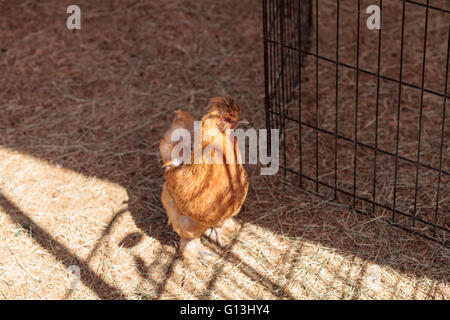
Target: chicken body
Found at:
201, 196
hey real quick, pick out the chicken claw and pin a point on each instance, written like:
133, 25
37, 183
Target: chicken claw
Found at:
213, 231
193, 248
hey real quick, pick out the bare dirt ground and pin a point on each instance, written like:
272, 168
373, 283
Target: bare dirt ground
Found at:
82, 114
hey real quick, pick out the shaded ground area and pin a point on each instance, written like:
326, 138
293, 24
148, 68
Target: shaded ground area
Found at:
82, 114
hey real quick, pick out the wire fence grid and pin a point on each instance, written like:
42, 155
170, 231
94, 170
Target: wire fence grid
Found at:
361, 112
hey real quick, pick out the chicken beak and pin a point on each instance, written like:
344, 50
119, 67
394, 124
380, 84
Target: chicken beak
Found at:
236, 123
241, 121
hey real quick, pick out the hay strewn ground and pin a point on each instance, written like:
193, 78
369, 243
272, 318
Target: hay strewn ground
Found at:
81, 118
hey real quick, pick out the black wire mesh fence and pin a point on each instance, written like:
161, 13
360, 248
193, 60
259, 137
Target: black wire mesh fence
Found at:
362, 111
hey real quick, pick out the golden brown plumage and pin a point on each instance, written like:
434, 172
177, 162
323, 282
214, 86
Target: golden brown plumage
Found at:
201, 196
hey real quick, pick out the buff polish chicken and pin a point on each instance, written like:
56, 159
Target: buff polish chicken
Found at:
204, 195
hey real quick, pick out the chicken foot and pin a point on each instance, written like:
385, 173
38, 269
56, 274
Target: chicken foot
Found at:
226, 230
213, 232
193, 248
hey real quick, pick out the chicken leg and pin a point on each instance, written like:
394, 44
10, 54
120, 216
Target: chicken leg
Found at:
227, 229
193, 248
188, 230
214, 233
